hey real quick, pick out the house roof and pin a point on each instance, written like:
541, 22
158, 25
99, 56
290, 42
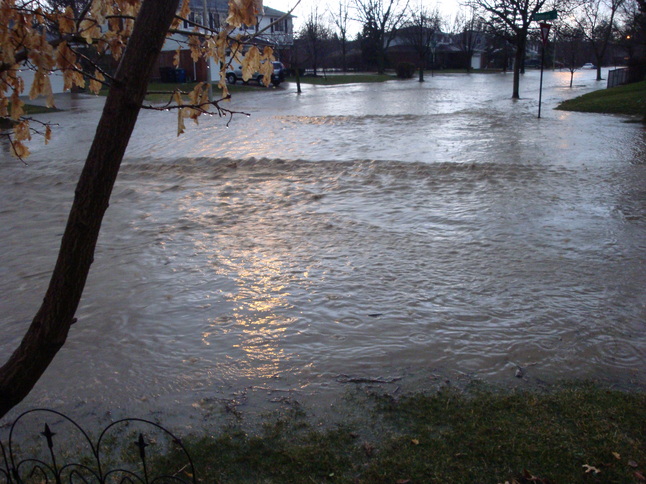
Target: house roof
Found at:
223, 6
272, 12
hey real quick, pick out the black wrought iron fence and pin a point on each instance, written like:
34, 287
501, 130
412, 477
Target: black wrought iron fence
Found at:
62, 453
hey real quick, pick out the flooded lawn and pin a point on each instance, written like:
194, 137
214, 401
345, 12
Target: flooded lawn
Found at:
398, 233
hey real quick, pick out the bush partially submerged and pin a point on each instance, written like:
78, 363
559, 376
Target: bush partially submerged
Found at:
405, 70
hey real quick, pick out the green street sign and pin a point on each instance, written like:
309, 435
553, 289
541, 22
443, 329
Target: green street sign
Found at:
551, 15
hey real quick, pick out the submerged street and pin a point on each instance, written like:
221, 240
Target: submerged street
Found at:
396, 234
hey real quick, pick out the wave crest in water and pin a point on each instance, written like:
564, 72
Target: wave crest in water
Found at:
222, 272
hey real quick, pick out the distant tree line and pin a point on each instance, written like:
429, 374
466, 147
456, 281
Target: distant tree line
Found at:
504, 32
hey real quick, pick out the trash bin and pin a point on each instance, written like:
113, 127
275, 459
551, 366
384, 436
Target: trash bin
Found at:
180, 75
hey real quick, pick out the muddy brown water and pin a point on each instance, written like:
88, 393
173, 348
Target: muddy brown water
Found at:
402, 233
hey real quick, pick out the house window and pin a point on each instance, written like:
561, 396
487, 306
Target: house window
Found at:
214, 21
193, 17
279, 26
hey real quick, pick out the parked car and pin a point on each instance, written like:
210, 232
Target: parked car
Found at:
277, 77
588, 65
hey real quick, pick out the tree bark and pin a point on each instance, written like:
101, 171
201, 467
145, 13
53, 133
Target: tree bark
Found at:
518, 61
49, 328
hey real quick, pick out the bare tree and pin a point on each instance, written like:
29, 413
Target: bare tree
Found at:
314, 34
511, 20
631, 35
596, 19
341, 19
419, 33
381, 20
570, 41
468, 30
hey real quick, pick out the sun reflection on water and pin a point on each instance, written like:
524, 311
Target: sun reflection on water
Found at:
259, 301
256, 276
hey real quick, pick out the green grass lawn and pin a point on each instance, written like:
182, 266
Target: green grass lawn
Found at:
159, 92
331, 80
7, 123
335, 79
629, 99
572, 434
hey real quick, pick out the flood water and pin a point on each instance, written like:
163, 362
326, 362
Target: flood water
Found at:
398, 232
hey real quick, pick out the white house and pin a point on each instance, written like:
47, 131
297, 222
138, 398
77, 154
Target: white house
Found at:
278, 34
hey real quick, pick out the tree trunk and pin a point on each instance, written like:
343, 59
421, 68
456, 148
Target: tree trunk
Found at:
518, 60
50, 326
381, 63
298, 79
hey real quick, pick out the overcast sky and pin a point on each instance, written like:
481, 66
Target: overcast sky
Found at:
447, 9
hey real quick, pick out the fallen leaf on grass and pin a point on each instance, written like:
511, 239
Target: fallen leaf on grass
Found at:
640, 476
591, 469
414, 442
617, 455
528, 477
633, 464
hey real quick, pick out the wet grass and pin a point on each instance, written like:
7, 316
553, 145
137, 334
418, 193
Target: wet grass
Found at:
7, 123
34, 109
159, 92
575, 433
333, 80
336, 79
629, 99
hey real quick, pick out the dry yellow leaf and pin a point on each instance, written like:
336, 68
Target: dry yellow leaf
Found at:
589, 468
176, 58
21, 131
66, 21
195, 46
250, 63
19, 150
180, 122
244, 12
16, 106
89, 30
267, 69
97, 82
